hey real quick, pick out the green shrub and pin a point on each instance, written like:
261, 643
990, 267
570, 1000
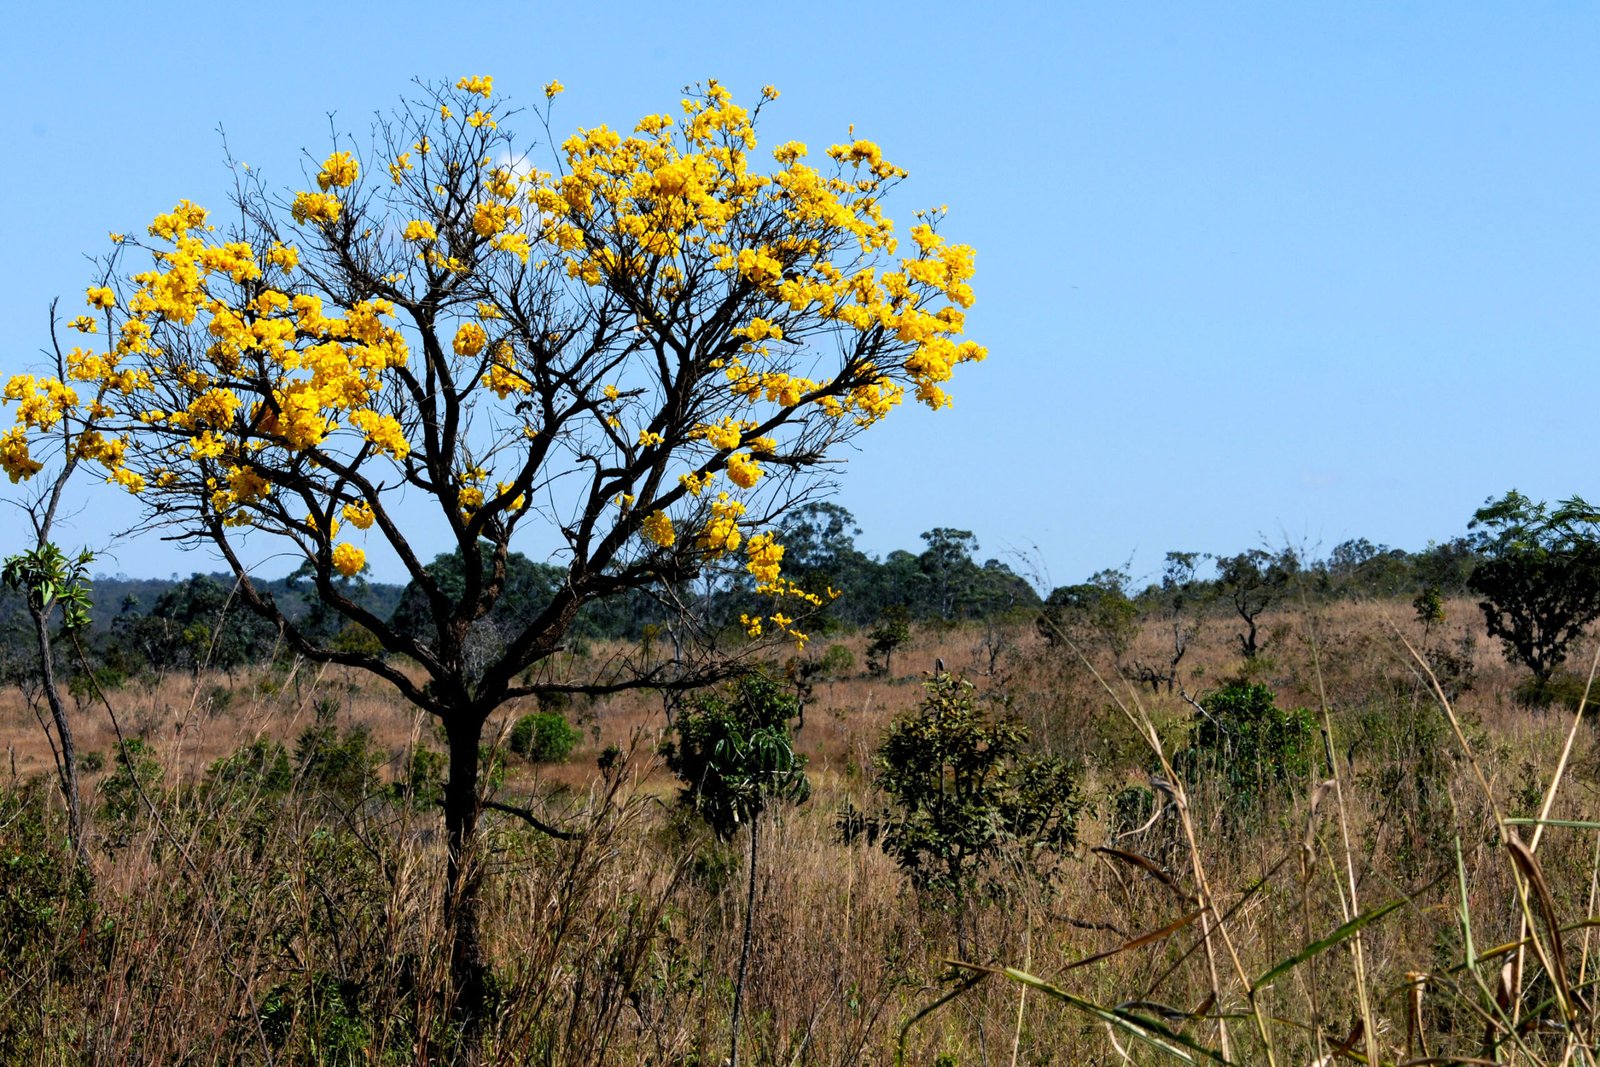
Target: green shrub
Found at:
838, 661
343, 766
1246, 743
261, 764
733, 753
423, 781
135, 770
1561, 691
544, 737
965, 790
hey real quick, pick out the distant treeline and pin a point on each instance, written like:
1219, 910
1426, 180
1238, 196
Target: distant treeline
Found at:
144, 625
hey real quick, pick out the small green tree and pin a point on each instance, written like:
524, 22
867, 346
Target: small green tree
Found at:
892, 631
543, 737
1429, 605
1539, 577
734, 755
48, 582
1095, 613
1253, 581
964, 791
1239, 737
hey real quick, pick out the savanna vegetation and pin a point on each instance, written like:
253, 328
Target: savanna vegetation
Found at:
1377, 826
708, 783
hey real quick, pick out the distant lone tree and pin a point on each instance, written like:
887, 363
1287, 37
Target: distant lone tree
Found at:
1253, 581
638, 354
1539, 577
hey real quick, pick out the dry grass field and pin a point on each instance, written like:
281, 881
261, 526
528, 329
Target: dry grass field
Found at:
226, 923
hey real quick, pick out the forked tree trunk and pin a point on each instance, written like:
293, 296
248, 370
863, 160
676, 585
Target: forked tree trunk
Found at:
468, 966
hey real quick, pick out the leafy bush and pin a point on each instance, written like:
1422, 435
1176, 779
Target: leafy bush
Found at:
423, 781
1249, 745
733, 753
544, 737
838, 661
342, 766
262, 764
964, 790
135, 769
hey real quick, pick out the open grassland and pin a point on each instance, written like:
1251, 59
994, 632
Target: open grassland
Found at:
237, 913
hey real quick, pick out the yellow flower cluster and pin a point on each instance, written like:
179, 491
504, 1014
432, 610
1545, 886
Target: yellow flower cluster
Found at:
743, 470
41, 402
696, 483
481, 84
766, 557
658, 528
339, 171
15, 459
315, 207
470, 339
359, 515
505, 380
382, 430
721, 534
348, 559
178, 222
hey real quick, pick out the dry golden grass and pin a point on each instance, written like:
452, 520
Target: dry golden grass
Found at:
619, 947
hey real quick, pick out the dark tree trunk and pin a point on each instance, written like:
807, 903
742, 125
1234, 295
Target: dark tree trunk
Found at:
744, 951
67, 761
468, 966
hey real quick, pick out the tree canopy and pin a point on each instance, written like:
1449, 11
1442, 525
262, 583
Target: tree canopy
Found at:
641, 345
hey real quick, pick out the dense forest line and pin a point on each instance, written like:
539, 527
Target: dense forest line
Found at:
144, 625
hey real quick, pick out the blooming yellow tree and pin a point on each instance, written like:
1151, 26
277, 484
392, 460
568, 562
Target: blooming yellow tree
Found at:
648, 347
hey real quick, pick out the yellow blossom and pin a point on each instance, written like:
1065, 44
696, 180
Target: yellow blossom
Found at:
420, 230
696, 484
721, 534
14, 457
470, 339
743, 470
359, 514
339, 170
553, 88
348, 559
101, 297
482, 84
766, 557
658, 528
315, 207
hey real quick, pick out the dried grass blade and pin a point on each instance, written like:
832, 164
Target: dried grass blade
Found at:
1150, 1031
1140, 941
1149, 866
1344, 932
1557, 961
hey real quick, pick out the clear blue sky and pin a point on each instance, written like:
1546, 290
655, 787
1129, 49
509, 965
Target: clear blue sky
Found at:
1303, 271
